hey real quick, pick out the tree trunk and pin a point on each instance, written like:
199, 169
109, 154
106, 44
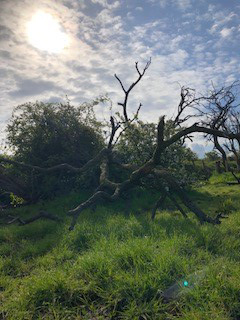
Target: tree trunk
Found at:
223, 153
193, 163
218, 166
157, 204
10, 184
237, 158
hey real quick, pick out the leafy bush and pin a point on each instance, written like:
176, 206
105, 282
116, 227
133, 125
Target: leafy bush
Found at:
47, 134
15, 200
137, 145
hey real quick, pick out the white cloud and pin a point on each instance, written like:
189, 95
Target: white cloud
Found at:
226, 32
228, 18
104, 45
199, 47
201, 148
221, 19
213, 28
130, 16
105, 4
105, 17
163, 3
181, 4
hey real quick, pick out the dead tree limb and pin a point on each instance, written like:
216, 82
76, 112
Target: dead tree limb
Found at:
159, 202
63, 166
40, 215
148, 168
12, 184
235, 177
177, 205
126, 92
223, 153
110, 190
233, 145
238, 180
173, 185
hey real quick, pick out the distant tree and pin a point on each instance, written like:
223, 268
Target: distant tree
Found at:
138, 143
219, 107
233, 145
212, 155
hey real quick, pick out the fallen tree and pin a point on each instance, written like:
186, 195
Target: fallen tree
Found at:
111, 190
22, 222
221, 112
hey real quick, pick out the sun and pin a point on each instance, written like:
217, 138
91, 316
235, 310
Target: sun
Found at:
44, 32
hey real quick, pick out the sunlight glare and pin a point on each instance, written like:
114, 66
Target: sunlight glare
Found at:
44, 33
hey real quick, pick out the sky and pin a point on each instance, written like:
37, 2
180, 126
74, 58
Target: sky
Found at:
190, 42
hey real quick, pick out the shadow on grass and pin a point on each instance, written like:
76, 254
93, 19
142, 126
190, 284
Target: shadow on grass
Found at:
110, 220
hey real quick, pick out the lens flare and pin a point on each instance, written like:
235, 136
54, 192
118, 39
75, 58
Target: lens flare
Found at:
185, 283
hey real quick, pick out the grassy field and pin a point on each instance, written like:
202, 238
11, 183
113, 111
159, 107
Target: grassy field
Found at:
117, 264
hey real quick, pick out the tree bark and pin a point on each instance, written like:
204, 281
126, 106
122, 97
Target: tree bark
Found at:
174, 201
223, 153
11, 184
40, 215
159, 202
237, 157
174, 186
218, 166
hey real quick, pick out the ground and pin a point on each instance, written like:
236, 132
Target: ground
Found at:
117, 264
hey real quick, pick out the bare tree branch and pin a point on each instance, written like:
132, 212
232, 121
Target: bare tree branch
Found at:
159, 202
64, 166
126, 92
40, 215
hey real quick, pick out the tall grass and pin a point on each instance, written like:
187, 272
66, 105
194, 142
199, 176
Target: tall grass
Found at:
116, 263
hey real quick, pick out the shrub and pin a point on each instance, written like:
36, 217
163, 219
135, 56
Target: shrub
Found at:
47, 134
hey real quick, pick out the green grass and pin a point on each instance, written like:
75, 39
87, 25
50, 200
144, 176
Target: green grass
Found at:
116, 263
222, 178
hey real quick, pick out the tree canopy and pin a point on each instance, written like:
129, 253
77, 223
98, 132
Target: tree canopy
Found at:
47, 134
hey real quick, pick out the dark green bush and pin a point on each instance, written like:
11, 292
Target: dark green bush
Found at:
47, 134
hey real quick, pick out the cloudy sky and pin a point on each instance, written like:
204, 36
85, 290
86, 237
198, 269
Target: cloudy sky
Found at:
50, 49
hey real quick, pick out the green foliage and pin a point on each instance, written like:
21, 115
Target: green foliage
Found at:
15, 200
212, 156
47, 134
115, 266
138, 143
